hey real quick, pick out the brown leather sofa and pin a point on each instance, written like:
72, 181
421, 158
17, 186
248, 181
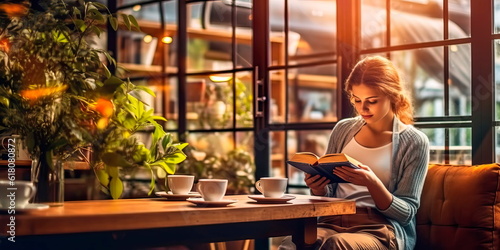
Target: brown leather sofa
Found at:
460, 208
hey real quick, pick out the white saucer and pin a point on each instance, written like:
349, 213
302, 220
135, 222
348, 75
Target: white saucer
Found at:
29, 207
261, 199
200, 202
177, 197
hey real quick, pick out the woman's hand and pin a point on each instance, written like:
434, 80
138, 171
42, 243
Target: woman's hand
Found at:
363, 176
316, 183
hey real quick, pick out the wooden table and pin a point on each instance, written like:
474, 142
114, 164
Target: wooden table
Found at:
134, 223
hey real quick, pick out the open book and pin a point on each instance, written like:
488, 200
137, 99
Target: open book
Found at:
313, 164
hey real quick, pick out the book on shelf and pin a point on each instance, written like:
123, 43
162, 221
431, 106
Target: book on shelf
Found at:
312, 164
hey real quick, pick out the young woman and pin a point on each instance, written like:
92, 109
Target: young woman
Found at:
394, 154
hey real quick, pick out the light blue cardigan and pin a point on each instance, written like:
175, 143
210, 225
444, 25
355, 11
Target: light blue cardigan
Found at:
410, 157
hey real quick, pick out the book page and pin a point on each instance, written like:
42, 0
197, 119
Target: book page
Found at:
353, 161
333, 158
305, 157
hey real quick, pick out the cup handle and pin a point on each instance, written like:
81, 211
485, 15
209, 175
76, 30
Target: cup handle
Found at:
33, 191
2, 139
259, 187
198, 189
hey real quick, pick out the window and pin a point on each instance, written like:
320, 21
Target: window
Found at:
207, 78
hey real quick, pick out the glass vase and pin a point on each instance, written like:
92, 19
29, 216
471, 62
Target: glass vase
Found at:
47, 175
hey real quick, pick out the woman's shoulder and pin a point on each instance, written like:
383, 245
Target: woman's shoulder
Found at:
414, 135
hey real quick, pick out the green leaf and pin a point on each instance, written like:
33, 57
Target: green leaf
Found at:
114, 22
59, 37
96, 15
110, 58
100, 6
129, 123
166, 141
80, 24
134, 22
103, 177
113, 171
4, 101
158, 133
116, 187
115, 159
152, 183
126, 21
113, 80
145, 116
110, 86
49, 159
169, 169
155, 118
181, 146
106, 71
147, 90
175, 158
161, 173
76, 12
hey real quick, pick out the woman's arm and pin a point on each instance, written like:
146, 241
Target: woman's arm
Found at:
366, 177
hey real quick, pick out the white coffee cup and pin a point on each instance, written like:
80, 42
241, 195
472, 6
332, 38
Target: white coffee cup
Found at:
180, 184
212, 189
273, 187
16, 194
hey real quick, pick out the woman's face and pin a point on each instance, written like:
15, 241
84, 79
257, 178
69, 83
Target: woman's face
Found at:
373, 105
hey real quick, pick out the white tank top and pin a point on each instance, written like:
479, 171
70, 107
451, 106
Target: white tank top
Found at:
378, 159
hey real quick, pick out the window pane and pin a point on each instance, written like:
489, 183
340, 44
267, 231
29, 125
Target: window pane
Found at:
312, 96
244, 36
143, 11
373, 24
423, 70
314, 141
277, 153
497, 79
218, 33
459, 82
416, 22
436, 143
244, 99
314, 23
137, 50
459, 18
169, 101
278, 92
210, 101
459, 150
496, 16
277, 19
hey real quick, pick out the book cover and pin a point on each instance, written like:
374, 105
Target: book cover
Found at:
312, 164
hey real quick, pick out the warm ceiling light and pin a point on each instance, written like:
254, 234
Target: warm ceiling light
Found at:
136, 7
454, 48
166, 39
219, 78
147, 38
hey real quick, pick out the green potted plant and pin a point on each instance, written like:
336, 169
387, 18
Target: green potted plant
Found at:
60, 97
116, 148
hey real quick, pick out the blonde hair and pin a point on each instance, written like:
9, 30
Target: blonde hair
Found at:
379, 73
